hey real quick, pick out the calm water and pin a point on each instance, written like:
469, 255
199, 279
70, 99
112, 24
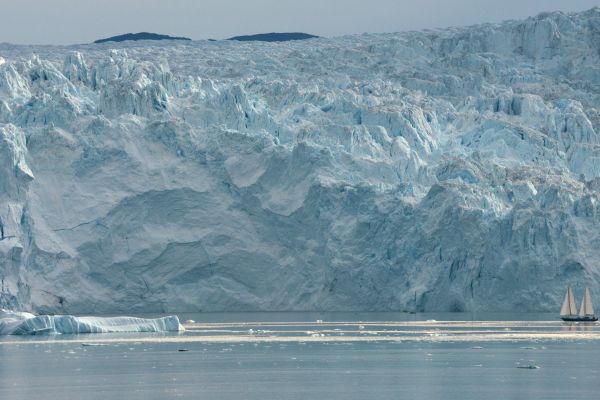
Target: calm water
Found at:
314, 356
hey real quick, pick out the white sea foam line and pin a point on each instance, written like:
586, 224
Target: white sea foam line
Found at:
389, 332
540, 324
431, 337
455, 327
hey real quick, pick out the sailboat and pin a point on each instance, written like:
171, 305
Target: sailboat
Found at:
568, 311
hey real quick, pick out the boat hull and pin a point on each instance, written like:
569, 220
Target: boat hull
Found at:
579, 319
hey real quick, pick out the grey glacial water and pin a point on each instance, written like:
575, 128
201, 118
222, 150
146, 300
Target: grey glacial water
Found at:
313, 356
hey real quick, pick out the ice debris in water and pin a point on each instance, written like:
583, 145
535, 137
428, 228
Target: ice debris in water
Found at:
22, 323
528, 366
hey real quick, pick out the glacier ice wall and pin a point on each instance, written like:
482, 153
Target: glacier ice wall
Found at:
454, 169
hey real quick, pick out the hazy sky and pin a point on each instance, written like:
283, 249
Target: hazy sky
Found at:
82, 21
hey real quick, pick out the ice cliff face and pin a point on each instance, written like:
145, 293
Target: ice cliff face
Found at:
456, 169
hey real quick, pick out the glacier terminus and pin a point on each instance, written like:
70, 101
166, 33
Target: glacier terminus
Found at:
441, 170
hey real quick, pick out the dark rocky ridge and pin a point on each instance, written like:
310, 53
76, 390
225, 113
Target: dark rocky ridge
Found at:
140, 36
274, 37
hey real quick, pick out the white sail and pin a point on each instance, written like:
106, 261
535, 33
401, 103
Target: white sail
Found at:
587, 308
569, 307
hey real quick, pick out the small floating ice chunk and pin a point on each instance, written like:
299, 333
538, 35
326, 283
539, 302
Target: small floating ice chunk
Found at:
528, 366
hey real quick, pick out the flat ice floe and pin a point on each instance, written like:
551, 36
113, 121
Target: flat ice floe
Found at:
22, 323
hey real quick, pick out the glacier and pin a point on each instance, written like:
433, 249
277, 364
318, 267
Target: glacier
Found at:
441, 170
24, 323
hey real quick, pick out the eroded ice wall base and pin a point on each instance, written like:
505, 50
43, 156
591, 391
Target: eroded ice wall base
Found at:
439, 170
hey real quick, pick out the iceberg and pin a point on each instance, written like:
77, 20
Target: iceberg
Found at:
22, 323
